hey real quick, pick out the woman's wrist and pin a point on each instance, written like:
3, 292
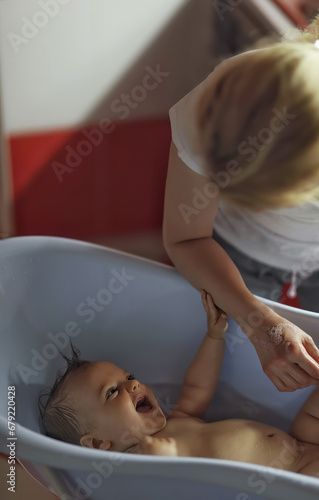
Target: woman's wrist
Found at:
255, 316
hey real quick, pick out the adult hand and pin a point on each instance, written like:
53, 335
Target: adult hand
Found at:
288, 355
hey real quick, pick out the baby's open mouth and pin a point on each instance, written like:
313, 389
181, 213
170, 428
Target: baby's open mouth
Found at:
143, 405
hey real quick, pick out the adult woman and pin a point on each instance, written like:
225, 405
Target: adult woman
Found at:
244, 161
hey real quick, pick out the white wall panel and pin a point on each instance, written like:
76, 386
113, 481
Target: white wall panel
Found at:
65, 62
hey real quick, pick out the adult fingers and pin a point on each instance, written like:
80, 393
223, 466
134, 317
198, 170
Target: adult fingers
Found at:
301, 377
311, 348
281, 386
290, 382
307, 363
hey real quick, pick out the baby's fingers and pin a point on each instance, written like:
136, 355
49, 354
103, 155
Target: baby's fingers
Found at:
203, 294
212, 308
207, 299
210, 303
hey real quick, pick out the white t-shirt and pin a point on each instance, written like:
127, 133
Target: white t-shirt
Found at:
286, 238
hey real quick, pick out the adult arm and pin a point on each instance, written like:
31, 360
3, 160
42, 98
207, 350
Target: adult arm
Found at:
191, 204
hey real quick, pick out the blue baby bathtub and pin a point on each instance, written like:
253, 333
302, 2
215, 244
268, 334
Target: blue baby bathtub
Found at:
150, 321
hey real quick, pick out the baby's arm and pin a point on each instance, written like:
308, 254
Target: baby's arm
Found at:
305, 427
202, 375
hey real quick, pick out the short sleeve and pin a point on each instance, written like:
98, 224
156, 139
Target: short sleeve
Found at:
182, 117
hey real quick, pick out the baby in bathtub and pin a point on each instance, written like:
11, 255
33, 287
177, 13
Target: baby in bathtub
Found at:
99, 405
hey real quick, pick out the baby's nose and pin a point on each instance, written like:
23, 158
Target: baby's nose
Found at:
133, 384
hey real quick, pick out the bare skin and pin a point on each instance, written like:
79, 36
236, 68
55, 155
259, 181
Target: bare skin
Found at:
110, 395
239, 439
204, 263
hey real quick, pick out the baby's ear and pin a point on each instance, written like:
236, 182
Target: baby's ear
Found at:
89, 441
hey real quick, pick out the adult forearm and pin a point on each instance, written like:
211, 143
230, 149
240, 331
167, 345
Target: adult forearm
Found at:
205, 264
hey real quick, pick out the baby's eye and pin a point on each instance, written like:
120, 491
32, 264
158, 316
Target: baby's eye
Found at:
109, 393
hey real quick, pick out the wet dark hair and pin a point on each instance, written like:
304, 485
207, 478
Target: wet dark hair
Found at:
59, 415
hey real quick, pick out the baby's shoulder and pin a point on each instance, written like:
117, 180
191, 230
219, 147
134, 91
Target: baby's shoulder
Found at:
180, 414
176, 414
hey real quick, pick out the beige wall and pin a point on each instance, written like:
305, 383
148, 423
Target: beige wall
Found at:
55, 77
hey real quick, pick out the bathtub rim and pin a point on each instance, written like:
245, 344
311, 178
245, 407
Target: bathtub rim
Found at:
34, 448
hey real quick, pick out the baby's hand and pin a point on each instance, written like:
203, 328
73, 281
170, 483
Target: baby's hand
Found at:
150, 445
216, 318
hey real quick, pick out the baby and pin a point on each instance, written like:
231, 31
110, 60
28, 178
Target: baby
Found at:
99, 405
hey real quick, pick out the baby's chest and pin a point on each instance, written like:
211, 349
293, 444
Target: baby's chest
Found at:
230, 440
190, 435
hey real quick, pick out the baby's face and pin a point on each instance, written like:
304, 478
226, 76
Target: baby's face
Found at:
108, 396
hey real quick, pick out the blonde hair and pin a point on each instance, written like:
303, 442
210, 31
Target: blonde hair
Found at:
263, 114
